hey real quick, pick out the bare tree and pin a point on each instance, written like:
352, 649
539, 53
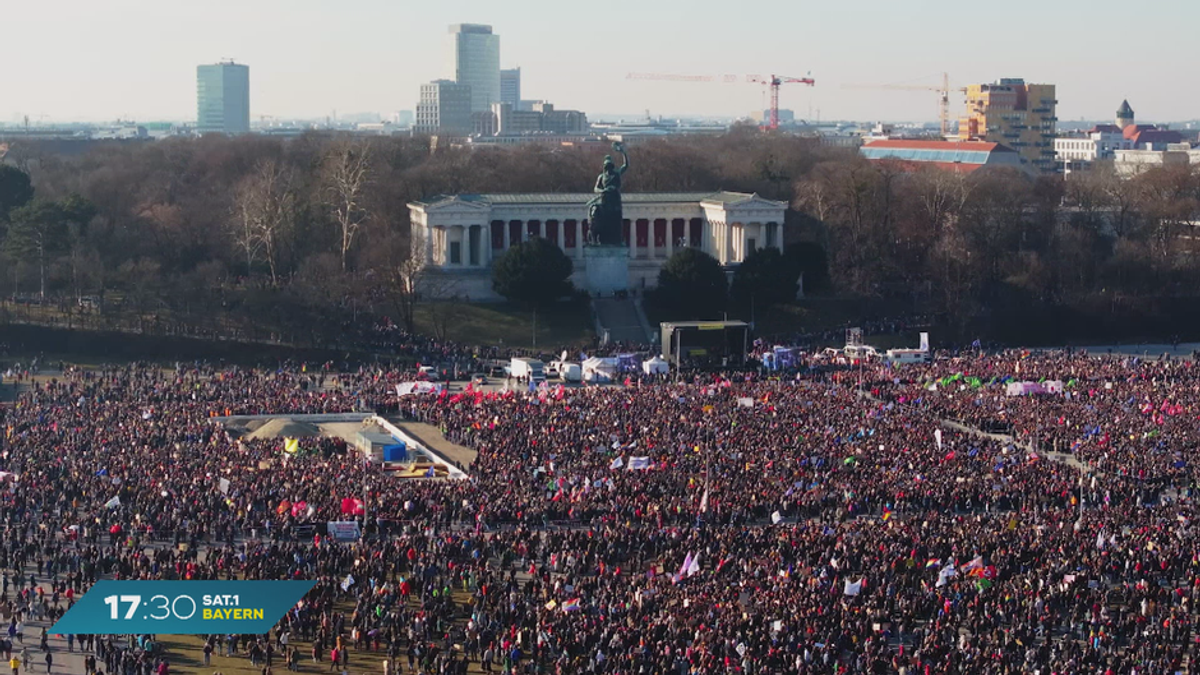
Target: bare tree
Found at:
444, 302
942, 195
405, 280
394, 274
347, 172
244, 224
264, 204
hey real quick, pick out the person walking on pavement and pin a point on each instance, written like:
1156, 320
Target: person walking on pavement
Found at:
15, 664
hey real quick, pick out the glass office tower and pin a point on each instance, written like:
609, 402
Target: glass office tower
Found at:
223, 98
475, 59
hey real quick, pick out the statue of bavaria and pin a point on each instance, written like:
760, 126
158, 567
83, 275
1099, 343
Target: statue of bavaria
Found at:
604, 210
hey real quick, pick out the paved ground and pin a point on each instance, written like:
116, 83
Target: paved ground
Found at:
431, 437
64, 661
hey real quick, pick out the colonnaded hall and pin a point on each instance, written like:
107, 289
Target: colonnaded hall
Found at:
459, 236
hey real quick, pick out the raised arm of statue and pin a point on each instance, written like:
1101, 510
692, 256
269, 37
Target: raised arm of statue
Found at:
620, 147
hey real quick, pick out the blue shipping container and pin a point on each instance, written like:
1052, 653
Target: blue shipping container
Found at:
395, 453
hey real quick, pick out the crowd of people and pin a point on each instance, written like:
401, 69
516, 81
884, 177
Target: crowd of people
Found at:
826, 520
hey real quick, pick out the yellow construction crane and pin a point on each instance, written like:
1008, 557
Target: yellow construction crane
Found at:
943, 91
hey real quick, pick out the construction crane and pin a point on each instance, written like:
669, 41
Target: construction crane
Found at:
943, 91
774, 82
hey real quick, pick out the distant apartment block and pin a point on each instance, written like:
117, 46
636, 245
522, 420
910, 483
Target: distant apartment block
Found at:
444, 108
1018, 115
510, 86
1130, 163
504, 120
475, 62
786, 116
223, 98
1134, 147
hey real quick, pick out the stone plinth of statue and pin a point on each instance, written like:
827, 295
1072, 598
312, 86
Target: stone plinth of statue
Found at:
607, 268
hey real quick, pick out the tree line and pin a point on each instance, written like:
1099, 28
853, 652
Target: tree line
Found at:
305, 235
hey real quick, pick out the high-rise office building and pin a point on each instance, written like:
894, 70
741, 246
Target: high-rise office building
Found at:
475, 60
444, 107
510, 86
1016, 114
223, 98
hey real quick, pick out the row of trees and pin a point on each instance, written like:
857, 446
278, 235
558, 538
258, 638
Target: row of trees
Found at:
305, 234
970, 245
691, 283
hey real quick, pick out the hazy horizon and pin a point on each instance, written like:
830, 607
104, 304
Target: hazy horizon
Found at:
135, 59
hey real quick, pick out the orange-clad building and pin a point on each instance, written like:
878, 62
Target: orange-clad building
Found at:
1019, 115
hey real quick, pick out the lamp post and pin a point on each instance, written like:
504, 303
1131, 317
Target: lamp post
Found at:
366, 492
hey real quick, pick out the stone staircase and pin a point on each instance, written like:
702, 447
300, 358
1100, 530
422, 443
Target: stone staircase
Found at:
620, 319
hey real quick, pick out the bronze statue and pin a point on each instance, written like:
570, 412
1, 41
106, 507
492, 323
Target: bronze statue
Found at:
604, 210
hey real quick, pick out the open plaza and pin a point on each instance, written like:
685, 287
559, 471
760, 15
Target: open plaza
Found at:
829, 513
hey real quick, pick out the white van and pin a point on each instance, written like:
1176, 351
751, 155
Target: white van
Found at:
570, 372
865, 352
909, 356
528, 369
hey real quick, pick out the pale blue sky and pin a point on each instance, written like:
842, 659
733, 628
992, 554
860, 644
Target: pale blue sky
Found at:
102, 59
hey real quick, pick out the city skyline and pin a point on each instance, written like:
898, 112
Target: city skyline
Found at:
134, 59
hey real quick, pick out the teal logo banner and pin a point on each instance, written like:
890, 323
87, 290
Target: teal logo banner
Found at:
181, 607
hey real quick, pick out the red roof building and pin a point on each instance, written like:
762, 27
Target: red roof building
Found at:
956, 156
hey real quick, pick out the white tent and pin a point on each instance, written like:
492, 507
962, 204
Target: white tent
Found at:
655, 366
598, 369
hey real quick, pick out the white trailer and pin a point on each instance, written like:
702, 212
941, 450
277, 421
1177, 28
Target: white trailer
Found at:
527, 369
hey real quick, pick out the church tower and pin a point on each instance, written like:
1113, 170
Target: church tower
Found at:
1124, 115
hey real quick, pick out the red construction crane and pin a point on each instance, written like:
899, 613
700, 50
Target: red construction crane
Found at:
773, 82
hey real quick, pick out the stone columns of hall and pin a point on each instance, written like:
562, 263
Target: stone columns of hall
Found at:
575, 229
459, 235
